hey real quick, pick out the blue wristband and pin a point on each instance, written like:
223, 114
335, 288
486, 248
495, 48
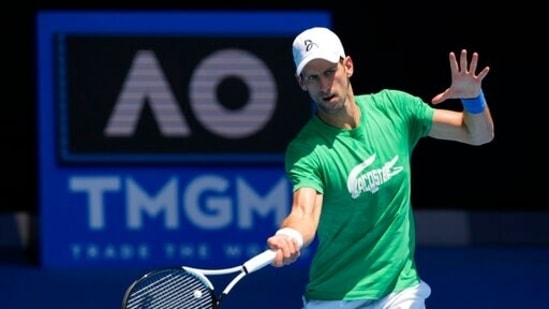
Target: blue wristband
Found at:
474, 105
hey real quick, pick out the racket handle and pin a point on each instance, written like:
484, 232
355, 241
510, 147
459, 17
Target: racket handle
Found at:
259, 261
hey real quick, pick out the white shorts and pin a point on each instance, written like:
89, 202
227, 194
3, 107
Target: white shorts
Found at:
410, 298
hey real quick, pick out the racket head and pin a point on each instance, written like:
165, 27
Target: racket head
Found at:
174, 288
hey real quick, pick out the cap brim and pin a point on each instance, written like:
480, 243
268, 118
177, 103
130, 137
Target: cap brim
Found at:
330, 57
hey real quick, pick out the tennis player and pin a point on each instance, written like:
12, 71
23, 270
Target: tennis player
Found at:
351, 175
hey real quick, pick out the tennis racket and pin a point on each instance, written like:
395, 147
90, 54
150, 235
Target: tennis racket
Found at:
187, 287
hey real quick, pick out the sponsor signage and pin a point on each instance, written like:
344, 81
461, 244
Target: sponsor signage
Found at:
158, 98
149, 125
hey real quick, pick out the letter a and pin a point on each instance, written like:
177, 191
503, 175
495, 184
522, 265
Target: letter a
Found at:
146, 81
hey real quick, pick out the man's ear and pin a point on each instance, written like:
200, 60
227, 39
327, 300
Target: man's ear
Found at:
349, 66
300, 82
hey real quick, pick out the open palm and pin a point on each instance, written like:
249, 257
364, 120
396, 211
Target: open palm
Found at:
465, 82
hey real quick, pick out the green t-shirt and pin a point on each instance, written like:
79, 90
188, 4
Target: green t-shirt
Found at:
366, 235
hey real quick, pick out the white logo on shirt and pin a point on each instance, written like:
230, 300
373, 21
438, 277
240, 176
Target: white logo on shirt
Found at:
372, 179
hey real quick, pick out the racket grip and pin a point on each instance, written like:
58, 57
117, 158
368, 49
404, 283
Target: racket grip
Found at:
259, 261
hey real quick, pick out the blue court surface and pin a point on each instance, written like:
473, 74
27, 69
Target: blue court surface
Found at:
460, 277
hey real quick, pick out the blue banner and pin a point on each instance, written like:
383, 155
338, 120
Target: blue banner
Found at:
155, 216
131, 176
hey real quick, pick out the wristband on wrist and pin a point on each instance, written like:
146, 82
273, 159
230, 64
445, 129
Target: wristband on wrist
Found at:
474, 105
292, 233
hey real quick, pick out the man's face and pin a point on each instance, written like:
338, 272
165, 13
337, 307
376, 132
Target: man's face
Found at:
327, 83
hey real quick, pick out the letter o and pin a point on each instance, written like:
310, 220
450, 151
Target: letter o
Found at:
247, 120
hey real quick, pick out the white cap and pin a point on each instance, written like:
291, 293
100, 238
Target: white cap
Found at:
316, 43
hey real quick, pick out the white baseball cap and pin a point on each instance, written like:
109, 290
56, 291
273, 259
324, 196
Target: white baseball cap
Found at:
316, 43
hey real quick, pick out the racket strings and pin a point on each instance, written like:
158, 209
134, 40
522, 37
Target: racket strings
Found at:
173, 289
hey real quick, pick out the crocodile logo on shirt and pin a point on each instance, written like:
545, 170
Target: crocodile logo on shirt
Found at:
370, 180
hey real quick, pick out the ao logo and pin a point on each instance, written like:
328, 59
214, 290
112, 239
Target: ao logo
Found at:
146, 80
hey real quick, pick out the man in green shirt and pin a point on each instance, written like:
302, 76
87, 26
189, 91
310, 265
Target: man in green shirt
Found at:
351, 174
